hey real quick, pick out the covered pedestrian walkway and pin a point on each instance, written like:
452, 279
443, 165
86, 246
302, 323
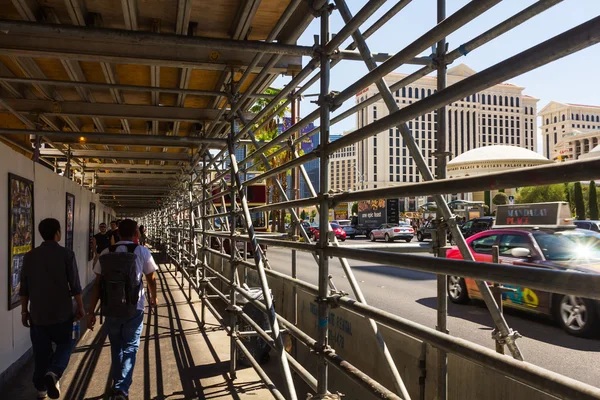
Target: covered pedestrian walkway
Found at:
163, 111
179, 358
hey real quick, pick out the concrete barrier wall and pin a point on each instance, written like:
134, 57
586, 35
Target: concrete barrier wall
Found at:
49, 201
352, 338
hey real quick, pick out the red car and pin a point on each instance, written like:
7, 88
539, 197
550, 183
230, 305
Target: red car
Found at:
560, 249
340, 233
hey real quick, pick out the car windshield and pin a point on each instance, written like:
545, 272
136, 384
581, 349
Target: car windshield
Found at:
344, 222
392, 225
335, 226
585, 238
559, 247
403, 224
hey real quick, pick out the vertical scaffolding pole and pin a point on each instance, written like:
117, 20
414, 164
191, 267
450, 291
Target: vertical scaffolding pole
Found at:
205, 245
233, 264
323, 306
442, 282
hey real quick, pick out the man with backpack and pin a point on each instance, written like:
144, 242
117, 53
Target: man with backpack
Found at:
120, 288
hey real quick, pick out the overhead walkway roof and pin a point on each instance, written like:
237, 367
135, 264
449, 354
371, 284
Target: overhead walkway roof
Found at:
133, 87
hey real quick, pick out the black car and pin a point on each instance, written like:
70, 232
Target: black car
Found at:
477, 225
589, 225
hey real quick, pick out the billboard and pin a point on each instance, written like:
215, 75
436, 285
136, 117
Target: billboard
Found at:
372, 213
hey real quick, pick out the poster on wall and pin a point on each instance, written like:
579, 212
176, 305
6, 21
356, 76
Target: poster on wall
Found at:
21, 231
91, 231
69, 221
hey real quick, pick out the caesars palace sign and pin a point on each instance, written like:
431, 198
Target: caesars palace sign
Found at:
493, 165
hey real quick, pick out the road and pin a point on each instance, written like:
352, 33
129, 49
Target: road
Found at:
412, 295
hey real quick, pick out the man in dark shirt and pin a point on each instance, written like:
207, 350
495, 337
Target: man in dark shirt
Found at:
101, 241
49, 278
114, 232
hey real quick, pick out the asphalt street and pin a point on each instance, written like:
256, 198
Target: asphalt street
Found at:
412, 295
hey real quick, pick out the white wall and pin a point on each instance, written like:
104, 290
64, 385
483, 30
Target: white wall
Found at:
49, 201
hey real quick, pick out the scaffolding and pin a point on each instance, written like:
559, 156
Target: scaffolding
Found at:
193, 231
190, 219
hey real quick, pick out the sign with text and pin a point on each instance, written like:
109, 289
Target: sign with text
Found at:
533, 215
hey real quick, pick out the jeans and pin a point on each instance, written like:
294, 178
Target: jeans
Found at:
124, 335
45, 359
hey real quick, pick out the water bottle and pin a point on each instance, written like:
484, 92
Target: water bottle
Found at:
76, 331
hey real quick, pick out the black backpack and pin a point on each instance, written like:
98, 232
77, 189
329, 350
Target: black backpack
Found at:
120, 283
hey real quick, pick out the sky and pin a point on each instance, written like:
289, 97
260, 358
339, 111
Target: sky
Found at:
572, 79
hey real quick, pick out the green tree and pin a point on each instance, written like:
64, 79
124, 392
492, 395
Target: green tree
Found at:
593, 201
313, 214
568, 195
354, 208
303, 215
500, 198
541, 194
487, 198
579, 203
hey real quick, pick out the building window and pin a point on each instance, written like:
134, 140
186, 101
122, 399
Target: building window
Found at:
422, 93
403, 92
410, 92
512, 101
563, 118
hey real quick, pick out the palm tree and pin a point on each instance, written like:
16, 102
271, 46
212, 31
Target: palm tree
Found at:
267, 134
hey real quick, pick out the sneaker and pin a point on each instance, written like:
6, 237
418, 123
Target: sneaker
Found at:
120, 396
42, 394
51, 381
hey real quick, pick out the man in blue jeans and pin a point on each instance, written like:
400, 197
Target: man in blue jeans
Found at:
124, 333
49, 278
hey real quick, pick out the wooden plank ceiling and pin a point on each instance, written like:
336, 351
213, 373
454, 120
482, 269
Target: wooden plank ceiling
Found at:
46, 106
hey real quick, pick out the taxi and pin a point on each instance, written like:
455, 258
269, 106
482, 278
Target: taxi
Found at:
539, 235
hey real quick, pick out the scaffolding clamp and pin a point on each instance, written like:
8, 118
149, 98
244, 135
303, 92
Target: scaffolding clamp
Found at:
508, 339
316, 9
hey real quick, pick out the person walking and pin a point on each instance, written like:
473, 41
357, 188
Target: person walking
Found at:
114, 232
119, 278
101, 241
49, 280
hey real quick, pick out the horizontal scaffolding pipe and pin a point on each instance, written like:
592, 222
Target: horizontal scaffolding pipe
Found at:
528, 374
118, 138
130, 88
548, 280
571, 171
136, 38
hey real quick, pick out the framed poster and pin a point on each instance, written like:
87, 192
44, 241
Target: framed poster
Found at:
21, 232
69, 221
91, 249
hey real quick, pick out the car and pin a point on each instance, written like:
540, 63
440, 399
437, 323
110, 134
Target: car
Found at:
391, 232
477, 225
341, 222
553, 246
426, 231
590, 225
340, 234
351, 231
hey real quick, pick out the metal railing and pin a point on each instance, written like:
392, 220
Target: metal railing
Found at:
186, 226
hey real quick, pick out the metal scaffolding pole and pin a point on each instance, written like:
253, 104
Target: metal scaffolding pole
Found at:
322, 300
442, 282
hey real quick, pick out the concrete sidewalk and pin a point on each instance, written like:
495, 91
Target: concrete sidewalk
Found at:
176, 360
